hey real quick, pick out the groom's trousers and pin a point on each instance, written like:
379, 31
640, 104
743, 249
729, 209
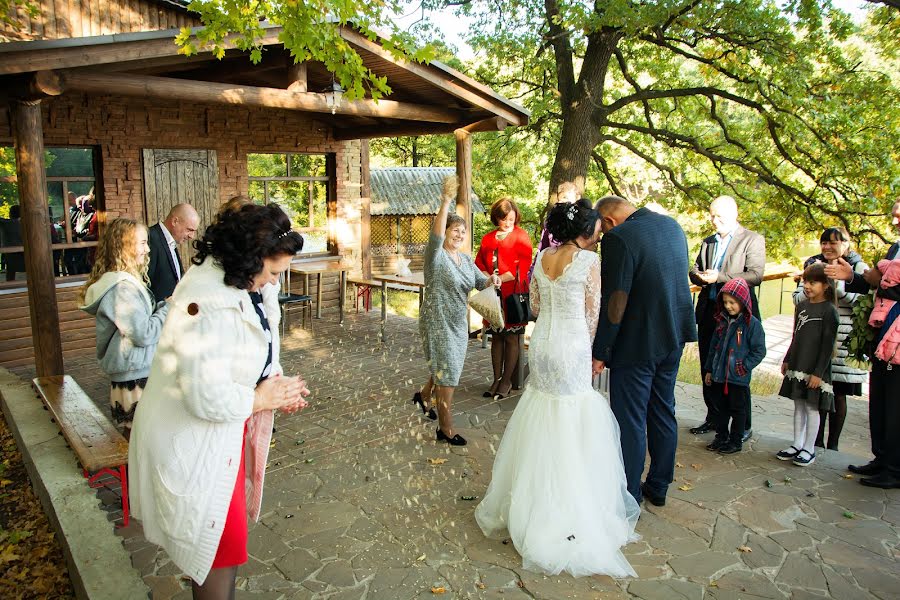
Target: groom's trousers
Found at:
642, 397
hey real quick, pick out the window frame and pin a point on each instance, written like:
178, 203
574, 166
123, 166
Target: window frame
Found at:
18, 285
330, 181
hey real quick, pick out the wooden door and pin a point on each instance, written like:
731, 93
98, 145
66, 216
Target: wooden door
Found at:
175, 176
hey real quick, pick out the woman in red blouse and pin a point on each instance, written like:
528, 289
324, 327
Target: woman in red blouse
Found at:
507, 250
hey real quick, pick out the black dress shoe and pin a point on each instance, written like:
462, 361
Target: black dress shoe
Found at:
883, 480
429, 412
456, 440
704, 427
746, 436
730, 448
717, 444
867, 470
651, 497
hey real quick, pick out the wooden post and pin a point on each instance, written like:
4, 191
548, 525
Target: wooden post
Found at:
464, 174
297, 77
365, 210
32, 180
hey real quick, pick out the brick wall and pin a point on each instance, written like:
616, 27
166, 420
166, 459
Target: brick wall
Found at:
121, 127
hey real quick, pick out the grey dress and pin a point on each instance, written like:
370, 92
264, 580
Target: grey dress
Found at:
443, 321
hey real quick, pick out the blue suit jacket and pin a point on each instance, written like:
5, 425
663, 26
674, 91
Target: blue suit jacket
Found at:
645, 261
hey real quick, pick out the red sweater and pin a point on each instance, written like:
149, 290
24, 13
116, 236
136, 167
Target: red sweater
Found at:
513, 254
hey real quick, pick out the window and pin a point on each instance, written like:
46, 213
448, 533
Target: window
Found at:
299, 184
72, 205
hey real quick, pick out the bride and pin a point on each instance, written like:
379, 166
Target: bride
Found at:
558, 485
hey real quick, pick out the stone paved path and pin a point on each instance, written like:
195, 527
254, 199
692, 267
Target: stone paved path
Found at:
357, 506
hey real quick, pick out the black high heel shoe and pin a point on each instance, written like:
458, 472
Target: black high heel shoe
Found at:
430, 413
490, 393
456, 440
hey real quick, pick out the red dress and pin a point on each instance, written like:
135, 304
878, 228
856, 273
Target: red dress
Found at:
513, 255
233, 545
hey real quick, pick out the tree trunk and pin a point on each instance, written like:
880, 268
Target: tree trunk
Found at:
580, 134
415, 151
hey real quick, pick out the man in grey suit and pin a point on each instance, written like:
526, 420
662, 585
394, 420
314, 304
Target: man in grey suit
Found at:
730, 253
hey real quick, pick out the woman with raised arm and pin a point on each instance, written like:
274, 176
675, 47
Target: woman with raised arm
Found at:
450, 274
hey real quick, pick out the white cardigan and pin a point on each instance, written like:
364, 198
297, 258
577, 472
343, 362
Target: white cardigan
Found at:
186, 439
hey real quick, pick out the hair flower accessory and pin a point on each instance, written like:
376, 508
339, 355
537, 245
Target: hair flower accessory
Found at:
284, 233
570, 214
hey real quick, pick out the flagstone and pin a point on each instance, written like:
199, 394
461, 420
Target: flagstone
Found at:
297, 565
702, 566
668, 589
801, 571
727, 535
764, 552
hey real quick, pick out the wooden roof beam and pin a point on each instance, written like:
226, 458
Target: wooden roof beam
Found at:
489, 100
143, 86
369, 132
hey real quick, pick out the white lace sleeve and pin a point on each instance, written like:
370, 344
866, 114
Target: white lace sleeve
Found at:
592, 297
534, 297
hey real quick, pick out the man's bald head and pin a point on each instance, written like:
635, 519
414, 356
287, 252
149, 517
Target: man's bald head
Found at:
723, 212
613, 211
182, 222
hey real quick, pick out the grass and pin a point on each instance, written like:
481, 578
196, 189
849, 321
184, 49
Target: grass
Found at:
762, 384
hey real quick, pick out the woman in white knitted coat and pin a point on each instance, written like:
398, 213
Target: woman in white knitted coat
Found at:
847, 381
207, 410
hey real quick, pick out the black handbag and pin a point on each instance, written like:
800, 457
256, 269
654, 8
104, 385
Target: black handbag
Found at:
518, 304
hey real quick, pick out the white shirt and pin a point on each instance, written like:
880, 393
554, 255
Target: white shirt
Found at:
173, 249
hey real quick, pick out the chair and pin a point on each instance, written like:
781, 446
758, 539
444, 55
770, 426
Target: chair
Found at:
288, 301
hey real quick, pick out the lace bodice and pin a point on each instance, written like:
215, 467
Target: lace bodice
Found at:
567, 311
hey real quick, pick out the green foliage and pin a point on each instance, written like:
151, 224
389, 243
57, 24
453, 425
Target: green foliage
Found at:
791, 110
8, 10
310, 31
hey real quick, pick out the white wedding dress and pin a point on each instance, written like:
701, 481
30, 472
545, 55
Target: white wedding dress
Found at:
558, 485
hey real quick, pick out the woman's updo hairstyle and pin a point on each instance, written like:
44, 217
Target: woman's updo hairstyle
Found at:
567, 222
240, 239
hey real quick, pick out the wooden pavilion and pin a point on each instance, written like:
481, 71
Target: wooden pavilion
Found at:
104, 77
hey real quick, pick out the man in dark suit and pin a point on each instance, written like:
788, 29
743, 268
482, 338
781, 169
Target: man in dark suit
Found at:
179, 226
645, 320
883, 471
730, 253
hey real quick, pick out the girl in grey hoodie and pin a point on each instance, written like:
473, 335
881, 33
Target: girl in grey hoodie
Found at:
129, 320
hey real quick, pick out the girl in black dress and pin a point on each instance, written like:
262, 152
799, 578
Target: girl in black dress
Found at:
807, 364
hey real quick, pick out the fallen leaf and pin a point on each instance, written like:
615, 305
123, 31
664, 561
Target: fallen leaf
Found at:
686, 487
745, 548
678, 465
787, 479
437, 461
438, 590
714, 583
847, 476
696, 466
468, 498
479, 585
421, 558
849, 514
769, 483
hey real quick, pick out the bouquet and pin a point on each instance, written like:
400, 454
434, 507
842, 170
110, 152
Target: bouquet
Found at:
859, 341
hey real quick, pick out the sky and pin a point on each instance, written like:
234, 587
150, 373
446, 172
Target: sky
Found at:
453, 26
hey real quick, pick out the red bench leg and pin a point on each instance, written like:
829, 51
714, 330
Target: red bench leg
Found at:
120, 474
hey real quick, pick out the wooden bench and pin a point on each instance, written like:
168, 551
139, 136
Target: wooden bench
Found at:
99, 446
364, 290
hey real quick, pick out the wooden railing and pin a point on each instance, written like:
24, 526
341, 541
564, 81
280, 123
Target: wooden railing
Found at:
775, 272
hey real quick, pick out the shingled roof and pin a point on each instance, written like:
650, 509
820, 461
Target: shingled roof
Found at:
411, 191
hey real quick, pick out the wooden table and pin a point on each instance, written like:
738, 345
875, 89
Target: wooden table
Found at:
416, 280
318, 268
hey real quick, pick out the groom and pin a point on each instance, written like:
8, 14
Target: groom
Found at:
645, 320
